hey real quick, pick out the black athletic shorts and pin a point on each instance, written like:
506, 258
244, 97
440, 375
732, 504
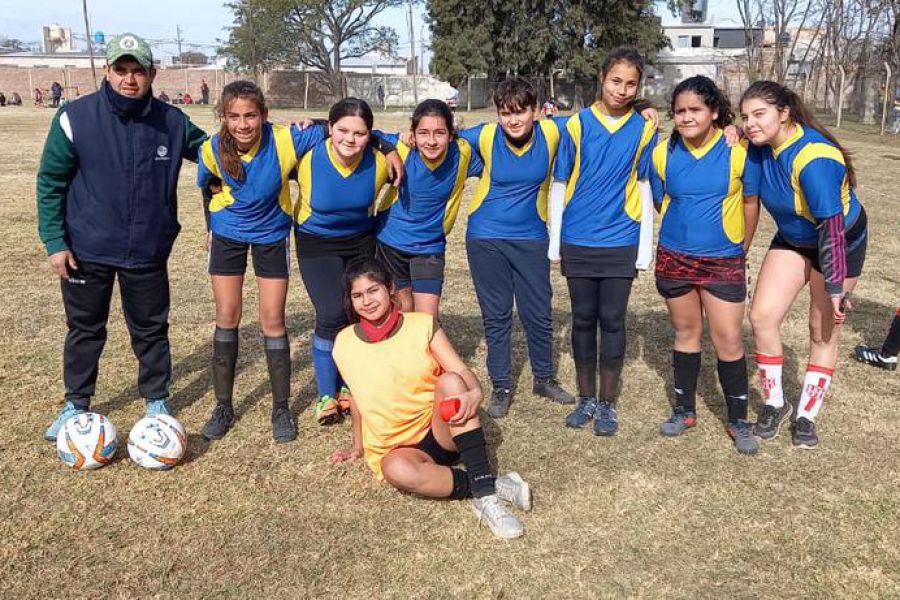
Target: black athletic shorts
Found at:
857, 240
440, 455
584, 261
229, 257
424, 272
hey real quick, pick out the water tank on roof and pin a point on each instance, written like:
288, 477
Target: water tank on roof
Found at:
99, 37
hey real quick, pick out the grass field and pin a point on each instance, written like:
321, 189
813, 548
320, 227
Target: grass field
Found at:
637, 515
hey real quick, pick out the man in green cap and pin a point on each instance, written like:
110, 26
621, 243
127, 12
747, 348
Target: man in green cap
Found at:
107, 210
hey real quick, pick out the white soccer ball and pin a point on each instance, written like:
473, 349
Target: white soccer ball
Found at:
87, 441
157, 443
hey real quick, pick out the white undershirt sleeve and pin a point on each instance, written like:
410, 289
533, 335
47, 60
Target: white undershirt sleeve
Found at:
557, 204
645, 246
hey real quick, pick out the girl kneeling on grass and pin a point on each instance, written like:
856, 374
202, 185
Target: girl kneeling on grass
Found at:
400, 367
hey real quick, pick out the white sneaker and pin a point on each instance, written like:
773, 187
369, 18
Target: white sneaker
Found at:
513, 489
502, 523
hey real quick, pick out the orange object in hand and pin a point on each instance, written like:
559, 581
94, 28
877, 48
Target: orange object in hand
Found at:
448, 408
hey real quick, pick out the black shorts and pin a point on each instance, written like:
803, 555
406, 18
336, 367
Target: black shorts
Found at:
424, 272
727, 291
229, 257
440, 455
584, 261
857, 240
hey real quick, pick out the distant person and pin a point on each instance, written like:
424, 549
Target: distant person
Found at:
379, 94
188, 99
204, 92
103, 216
164, 97
550, 108
179, 98
56, 91
38, 97
15, 99
2, 99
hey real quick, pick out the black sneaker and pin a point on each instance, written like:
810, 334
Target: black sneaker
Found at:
770, 421
498, 407
805, 434
284, 427
550, 389
873, 356
220, 421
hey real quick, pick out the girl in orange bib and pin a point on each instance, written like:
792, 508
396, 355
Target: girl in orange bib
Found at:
401, 368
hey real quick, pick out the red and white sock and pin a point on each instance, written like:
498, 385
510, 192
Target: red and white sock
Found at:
770, 378
815, 384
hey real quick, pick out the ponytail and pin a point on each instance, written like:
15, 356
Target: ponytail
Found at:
781, 96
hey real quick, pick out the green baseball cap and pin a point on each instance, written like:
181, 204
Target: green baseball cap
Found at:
131, 45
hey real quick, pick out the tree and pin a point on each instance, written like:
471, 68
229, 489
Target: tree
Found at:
193, 58
460, 39
315, 34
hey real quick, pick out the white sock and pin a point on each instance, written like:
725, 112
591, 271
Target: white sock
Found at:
815, 385
770, 378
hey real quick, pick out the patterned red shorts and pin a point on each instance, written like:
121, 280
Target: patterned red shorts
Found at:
677, 274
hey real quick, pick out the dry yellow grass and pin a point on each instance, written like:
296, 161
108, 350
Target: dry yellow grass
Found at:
637, 515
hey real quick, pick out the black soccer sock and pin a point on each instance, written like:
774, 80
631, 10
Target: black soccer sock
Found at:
278, 359
610, 373
472, 449
461, 487
891, 345
686, 366
733, 378
225, 352
586, 378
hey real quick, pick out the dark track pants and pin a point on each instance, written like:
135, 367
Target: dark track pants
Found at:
507, 270
145, 303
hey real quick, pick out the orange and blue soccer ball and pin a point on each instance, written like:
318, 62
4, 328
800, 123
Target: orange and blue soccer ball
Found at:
157, 443
87, 441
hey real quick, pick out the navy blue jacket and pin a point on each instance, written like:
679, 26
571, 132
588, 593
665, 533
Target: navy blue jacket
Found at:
107, 185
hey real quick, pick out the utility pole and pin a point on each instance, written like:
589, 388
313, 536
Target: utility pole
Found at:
90, 45
412, 53
178, 40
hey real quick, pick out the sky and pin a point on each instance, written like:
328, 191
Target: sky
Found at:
202, 21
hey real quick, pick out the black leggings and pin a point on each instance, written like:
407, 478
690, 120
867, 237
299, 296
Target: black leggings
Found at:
603, 301
322, 278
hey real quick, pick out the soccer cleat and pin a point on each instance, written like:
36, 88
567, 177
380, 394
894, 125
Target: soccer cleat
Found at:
550, 389
158, 407
344, 398
583, 413
513, 489
873, 356
219, 422
606, 420
741, 433
804, 435
327, 412
498, 407
68, 411
501, 522
770, 420
284, 427
680, 421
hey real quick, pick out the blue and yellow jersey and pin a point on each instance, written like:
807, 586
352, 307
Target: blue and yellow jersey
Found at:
418, 218
256, 210
802, 181
338, 201
510, 201
701, 192
602, 160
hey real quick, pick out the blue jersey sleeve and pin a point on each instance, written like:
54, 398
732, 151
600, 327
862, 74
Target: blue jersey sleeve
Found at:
752, 171
476, 165
646, 157
565, 156
305, 139
471, 135
391, 138
821, 181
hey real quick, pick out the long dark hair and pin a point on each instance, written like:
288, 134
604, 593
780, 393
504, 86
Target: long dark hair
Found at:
714, 99
433, 108
229, 156
351, 107
781, 96
363, 267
